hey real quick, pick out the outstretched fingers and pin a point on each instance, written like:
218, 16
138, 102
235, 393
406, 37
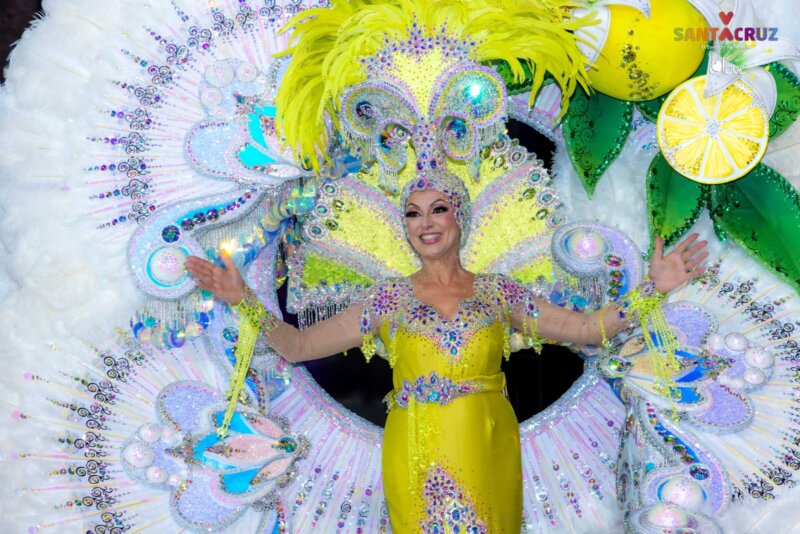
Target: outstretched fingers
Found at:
205, 273
686, 243
692, 264
658, 247
197, 267
697, 247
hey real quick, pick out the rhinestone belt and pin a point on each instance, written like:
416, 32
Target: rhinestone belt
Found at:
442, 390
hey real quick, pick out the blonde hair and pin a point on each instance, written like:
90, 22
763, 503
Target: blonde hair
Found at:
328, 46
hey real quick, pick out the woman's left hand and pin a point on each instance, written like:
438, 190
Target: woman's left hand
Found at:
679, 266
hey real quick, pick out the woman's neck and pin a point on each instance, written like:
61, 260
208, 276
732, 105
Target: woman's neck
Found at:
444, 271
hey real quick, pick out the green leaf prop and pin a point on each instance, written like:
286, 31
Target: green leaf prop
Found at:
761, 212
787, 108
650, 108
595, 129
673, 201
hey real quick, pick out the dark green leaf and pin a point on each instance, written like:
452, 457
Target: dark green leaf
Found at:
761, 212
673, 201
787, 108
650, 108
595, 129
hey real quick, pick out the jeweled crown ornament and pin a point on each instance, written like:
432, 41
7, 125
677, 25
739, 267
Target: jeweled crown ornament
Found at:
414, 82
429, 92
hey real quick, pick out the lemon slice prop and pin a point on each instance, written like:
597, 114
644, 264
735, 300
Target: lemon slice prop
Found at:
713, 140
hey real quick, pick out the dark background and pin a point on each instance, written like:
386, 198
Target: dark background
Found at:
15, 16
534, 382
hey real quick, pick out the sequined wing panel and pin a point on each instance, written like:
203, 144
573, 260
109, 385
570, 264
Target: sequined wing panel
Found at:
354, 238
514, 216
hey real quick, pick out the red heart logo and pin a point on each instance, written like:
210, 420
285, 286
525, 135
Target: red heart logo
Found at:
725, 17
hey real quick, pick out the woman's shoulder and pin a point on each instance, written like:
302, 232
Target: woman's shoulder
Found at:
385, 295
505, 288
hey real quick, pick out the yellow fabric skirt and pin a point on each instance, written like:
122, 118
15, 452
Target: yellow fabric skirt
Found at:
452, 466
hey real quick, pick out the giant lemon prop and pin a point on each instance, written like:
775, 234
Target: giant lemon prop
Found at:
713, 140
644, 58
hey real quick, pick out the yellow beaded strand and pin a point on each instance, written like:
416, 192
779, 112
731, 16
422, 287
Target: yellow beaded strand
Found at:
645, 301
254, 319
601, 323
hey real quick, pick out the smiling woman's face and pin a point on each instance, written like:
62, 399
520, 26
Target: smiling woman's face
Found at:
431, 224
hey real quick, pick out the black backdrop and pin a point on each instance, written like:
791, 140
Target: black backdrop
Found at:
534, 382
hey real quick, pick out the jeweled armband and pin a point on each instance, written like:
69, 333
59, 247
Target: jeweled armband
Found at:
254, 319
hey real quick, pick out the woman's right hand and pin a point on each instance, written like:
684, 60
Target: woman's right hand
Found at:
226, 284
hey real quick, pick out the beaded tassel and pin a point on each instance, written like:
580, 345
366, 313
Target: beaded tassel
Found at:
661, 343
368, 347
530, 327
507, 336
367, 337
254, 318
392, 348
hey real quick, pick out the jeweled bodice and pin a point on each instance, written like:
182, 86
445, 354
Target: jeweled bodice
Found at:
420, 341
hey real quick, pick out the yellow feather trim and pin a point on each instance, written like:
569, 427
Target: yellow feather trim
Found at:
328, 45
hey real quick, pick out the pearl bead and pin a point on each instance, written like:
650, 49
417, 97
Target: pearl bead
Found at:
737, 383
754, 377
219, 74
211, 97
758, 357
138, 454
684, 492
246, 72
170, 435
150, 433
156, 475
736, 342
166, 265
666, 516
715, 342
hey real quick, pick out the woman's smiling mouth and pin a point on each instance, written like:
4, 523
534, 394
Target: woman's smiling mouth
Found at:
431, 238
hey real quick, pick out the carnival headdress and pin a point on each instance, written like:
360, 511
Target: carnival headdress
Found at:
419, 73
412, 86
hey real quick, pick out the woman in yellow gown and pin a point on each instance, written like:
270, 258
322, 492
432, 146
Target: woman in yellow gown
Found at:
451, 455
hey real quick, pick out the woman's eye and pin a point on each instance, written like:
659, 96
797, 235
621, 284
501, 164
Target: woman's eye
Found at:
441, 209
412, 213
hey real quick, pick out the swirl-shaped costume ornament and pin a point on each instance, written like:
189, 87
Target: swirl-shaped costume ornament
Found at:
287, 133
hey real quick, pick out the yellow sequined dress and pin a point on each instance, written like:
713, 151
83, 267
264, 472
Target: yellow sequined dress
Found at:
451, 457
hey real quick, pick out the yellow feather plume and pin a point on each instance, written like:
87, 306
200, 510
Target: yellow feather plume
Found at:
328, 45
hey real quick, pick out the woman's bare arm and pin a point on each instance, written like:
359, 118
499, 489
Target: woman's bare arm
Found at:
668, 272
565, 326
557, 324
325, 338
